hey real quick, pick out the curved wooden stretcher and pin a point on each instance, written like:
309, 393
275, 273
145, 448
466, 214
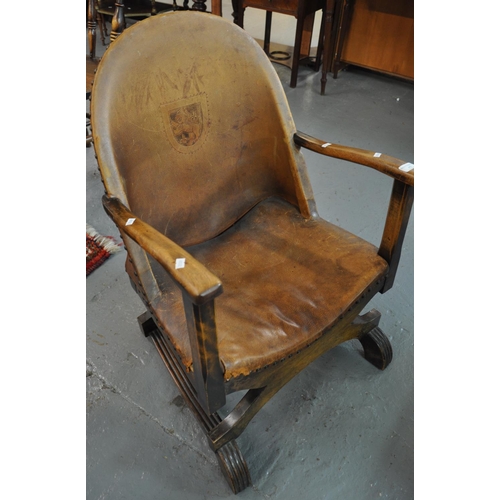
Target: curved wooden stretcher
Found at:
243, 282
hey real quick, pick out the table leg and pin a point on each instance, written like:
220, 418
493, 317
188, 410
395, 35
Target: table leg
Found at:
238, 13
91, 24
118, 21
236, 9
297, 47
344, 15
200, 5
267, 32
328, 43
321, 40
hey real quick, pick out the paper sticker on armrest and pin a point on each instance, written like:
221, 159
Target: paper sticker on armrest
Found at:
407, 167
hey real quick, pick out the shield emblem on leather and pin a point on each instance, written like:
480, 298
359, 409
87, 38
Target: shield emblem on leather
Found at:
186, 122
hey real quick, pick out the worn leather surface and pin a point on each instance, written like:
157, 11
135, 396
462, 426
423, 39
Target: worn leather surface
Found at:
190, 136
197, 140
285, 280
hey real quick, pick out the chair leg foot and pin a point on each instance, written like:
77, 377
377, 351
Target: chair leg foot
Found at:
233, 466
378, 350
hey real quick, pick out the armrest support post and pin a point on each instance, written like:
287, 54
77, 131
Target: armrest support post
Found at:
199, 288
396, 223
209, 380
401, 198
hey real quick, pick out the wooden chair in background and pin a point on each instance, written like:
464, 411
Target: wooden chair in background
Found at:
243, 282
118, 11
91, 69
133, 9
91, 60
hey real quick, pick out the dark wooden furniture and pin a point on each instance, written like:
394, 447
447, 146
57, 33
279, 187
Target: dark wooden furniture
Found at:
91, 69
304, 11
244, 284
95, 18
331, 30
91, 26
374, 34
120, 10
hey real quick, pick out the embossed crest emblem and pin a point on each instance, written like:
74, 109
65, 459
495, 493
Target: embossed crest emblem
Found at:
186, 122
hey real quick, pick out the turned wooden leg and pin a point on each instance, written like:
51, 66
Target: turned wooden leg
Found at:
236, 11
378, 350
91, 25
102, 27
118, 21
199, 5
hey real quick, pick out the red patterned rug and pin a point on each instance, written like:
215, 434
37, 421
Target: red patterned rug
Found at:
99, 248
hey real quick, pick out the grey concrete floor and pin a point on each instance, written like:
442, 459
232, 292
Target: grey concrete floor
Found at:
341, 429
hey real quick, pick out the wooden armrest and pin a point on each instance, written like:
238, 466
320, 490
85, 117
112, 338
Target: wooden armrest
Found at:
194, 278
386, 164
401, 201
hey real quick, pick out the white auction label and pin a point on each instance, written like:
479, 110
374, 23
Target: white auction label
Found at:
407, 167
180, 263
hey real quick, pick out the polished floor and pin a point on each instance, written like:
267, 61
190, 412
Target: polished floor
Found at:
342, 429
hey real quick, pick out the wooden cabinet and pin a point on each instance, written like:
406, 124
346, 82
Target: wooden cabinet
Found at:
375, 34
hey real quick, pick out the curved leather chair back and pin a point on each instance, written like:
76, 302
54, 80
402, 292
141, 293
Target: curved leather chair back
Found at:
192, 143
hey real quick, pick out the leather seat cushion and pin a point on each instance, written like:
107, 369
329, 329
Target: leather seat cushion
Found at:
285, 281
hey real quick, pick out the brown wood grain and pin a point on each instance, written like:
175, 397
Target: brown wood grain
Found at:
384, 163
381, 37
197, 281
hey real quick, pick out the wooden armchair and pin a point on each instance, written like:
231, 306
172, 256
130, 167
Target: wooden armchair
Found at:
244, 284
120, 10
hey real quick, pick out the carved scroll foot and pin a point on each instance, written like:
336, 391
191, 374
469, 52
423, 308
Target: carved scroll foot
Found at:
378, 350
232, 463
234, 467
